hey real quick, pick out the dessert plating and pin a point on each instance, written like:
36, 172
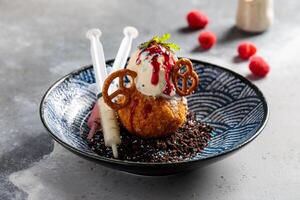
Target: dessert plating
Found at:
148, 97
149, 106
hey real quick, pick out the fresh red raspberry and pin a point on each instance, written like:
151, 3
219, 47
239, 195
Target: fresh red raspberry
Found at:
246, 50
196, 19
207, 39
258, 66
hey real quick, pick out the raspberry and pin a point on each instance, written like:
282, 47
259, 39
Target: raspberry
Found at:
196, 19
258, 66
207, 39
246, 50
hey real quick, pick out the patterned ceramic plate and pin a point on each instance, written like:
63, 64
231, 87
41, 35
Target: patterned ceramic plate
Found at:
233, 106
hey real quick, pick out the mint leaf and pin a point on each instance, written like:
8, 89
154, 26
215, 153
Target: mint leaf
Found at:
143, 45
162, 41
173, 46
165, 37
155, 39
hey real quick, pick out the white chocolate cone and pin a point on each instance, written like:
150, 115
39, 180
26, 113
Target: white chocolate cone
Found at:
110, 126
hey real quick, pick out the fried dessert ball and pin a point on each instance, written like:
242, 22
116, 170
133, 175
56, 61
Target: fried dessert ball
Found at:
151, 117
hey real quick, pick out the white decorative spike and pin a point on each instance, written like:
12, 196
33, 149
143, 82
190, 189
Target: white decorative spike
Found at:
98, 58
129, 34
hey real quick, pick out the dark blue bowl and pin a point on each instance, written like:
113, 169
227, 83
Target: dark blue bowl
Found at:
227, 101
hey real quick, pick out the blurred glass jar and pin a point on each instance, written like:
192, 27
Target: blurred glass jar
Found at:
254, 15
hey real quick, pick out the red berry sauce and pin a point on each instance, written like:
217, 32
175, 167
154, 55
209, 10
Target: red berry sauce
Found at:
155, 51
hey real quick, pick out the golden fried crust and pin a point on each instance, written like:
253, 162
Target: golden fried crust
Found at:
151, 118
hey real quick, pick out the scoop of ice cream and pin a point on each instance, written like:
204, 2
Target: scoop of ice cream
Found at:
153, 66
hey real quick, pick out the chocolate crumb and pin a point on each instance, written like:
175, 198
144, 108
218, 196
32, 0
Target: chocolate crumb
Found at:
185, 143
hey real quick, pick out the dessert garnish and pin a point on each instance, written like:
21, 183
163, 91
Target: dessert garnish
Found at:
246, 50
207, 39
123, 90
161, 41
258, 66
196, 19
184, 90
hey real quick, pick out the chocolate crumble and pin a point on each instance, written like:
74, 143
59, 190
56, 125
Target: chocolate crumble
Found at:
185, 143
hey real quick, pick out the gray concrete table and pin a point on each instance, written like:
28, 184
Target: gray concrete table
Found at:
40, 41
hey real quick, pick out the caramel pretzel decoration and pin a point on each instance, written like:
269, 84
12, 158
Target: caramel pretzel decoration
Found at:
122, 89
189, 74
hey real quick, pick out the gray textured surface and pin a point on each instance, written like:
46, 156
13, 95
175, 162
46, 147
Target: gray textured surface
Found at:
40, 41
